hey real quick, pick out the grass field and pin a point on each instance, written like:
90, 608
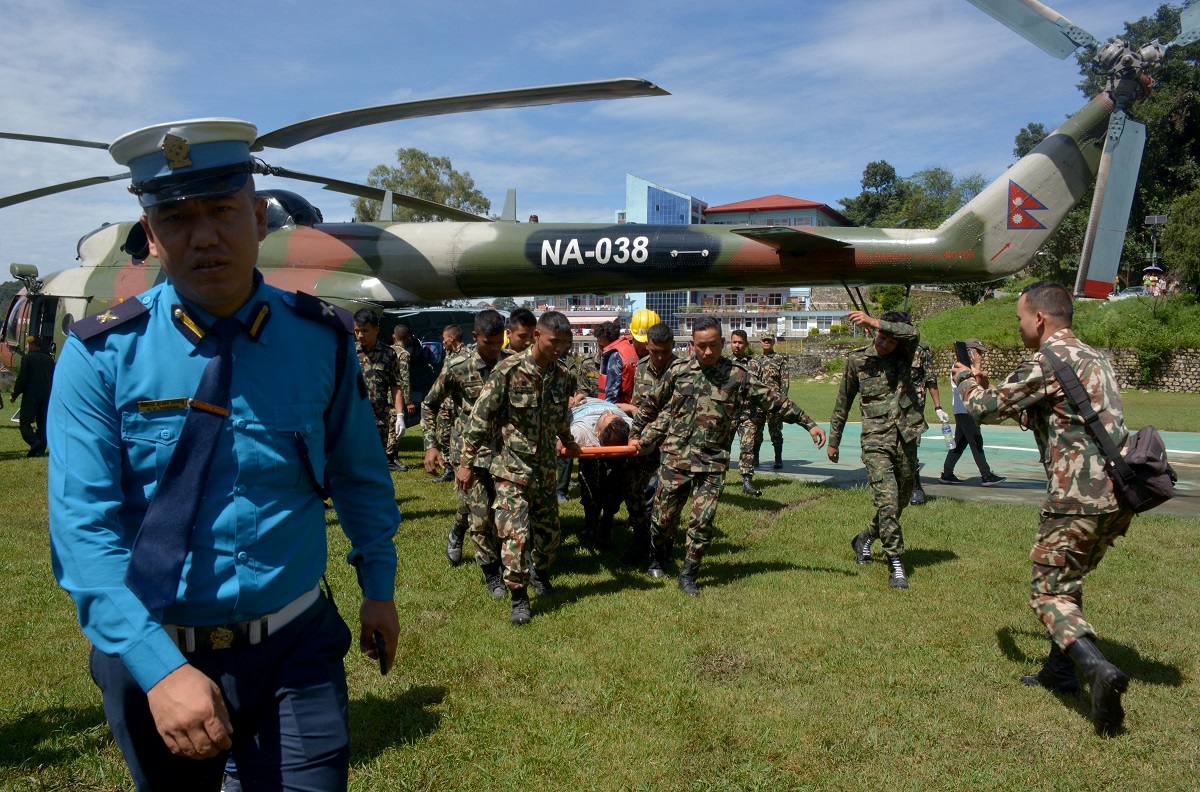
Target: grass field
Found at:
794, 668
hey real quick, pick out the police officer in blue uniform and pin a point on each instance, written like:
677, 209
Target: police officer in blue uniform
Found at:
195, 430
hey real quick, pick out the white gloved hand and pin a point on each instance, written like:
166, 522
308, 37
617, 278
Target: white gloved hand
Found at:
400, 425
942, 416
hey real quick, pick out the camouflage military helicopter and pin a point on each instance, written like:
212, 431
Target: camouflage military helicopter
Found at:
385, 264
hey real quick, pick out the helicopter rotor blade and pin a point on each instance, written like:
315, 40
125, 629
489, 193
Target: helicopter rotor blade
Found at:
1116, 183
289, 136
380, 194
1038, 23
56, 140
1189, 22
53, 189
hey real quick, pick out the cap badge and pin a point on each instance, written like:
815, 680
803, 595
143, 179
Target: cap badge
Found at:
177, 152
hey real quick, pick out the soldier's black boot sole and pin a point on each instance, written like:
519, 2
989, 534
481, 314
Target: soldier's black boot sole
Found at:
1107, 682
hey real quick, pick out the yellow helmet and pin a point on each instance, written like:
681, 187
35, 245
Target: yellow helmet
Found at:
642, 321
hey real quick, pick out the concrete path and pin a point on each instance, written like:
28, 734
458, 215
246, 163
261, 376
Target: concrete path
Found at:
1011, 453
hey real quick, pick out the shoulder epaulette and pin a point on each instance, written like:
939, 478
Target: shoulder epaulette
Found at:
123, 312
317, 310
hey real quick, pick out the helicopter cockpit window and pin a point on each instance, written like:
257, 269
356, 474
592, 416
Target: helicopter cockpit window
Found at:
12, 322
277, 216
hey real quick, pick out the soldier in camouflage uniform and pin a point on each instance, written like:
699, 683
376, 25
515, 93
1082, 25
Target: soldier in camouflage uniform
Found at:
1082, 515
572, 364
881, 375
771, 368
692, 415
639, 470
455, 390
747, 422
512, 429
381, 372
924, 379
399, 333
452, 347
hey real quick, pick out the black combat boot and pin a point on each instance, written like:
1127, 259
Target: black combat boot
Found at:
1107, 683
657, 556
494, 580
541, 582
447, 475
748, 485
687, 578
862, 548
604, 531
454, 543
396, 466
778, 456
896, 566
918, 495
639, 547
1057, 673
521, 612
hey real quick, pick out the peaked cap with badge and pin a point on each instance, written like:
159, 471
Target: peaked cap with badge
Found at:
197, 158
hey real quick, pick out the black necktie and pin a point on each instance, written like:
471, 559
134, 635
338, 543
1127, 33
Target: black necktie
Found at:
156, 560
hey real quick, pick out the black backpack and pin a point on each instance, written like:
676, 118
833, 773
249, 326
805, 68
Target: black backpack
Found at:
1142, 477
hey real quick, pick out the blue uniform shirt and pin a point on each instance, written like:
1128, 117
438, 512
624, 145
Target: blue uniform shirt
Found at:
259, 539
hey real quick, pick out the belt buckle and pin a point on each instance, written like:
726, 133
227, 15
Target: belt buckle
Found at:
221, 638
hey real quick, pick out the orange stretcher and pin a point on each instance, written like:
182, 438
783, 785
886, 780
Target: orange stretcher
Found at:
595, 452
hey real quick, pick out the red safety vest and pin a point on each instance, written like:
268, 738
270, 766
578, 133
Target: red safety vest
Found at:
624, 347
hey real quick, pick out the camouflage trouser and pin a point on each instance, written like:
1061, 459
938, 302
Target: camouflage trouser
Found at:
638, 472
445, 423
747, 443
1068, 546
774, 425
674, 486
475, 511
391, 440
890, 475
527, 526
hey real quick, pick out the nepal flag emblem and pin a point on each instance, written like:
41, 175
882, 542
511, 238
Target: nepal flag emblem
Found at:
1020, 204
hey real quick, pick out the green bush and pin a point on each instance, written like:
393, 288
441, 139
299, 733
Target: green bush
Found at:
814, 331
835, 365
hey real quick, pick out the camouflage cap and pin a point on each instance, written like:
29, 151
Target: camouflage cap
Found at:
198, 158
975, 343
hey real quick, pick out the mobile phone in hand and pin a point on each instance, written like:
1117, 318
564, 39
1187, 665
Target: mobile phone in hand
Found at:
381, 650
960, 352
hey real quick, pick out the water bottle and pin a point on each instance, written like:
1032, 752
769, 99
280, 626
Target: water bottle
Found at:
948, 435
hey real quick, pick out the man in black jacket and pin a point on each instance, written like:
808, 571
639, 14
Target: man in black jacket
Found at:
33, 383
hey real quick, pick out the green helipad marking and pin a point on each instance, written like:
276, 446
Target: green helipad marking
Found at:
1010, 452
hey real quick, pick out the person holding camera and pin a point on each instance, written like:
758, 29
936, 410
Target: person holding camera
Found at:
1082, 515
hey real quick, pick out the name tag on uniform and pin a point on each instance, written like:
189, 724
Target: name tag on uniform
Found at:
162, 404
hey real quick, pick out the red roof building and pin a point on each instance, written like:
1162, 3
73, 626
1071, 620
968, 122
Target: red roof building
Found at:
775, 210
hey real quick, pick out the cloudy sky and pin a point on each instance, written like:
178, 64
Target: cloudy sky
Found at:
766, 97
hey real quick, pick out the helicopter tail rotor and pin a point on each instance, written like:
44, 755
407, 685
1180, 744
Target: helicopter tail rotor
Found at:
1129, 79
